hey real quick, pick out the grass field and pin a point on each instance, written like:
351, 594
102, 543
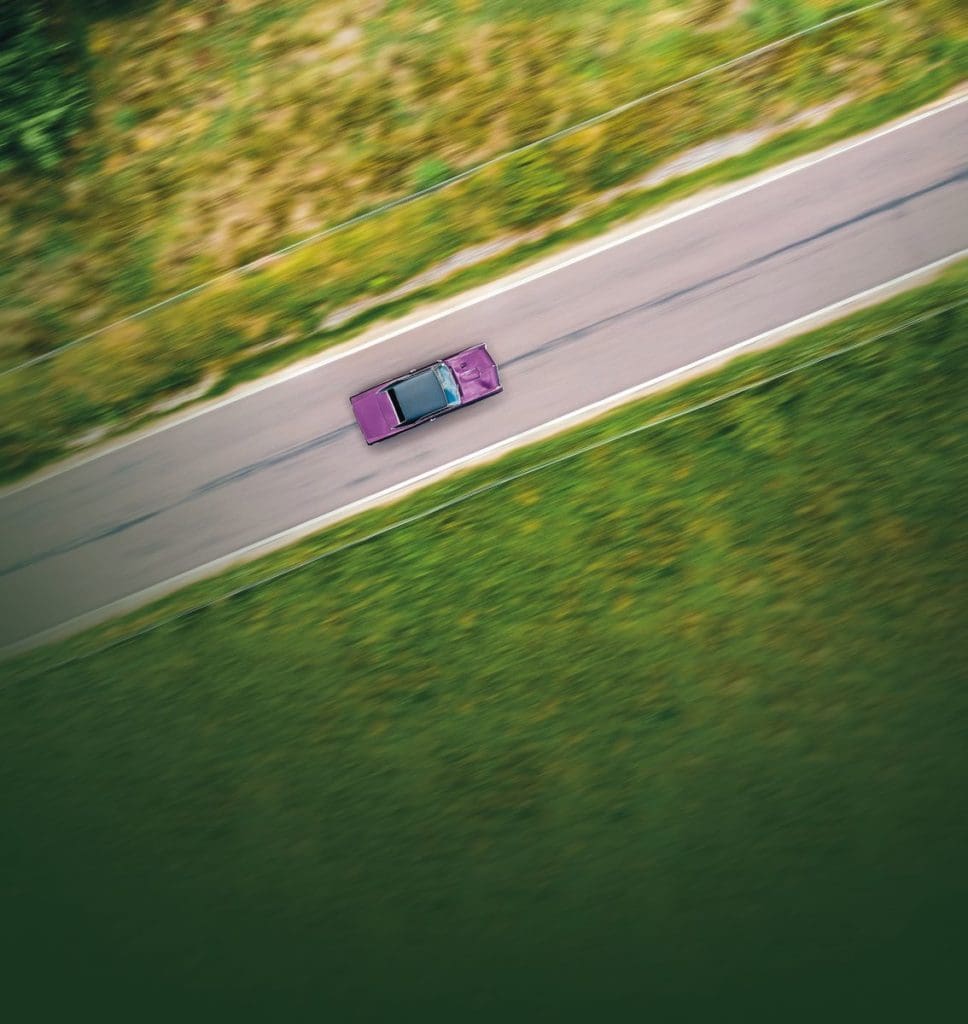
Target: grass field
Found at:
678, 721
223, 132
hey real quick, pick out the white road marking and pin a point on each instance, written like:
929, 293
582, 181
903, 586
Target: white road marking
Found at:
499, 288
560, 423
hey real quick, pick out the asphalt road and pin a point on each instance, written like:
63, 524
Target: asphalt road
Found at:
78, 541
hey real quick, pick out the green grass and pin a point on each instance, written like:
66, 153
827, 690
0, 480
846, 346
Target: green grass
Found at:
682, 718
198, 176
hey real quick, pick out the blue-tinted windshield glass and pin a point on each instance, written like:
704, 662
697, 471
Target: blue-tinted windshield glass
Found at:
448, 383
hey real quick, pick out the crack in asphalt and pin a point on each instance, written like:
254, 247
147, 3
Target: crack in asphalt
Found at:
239, 474
895, 205
272, 460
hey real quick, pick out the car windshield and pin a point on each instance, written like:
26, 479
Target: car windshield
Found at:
449, 383
417, 396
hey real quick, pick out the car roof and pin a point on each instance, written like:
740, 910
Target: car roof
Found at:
417, 396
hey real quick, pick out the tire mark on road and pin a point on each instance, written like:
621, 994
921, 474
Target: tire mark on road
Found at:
286, 455
893, 206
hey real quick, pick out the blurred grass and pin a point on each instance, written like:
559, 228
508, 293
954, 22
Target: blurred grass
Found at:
680, 719
275, 121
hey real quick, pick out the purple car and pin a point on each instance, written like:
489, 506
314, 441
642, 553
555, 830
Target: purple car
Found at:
425, 394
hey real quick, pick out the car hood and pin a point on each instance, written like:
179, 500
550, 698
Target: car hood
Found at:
374, 413
476, 373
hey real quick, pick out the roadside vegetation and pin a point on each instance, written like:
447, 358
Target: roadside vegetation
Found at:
684, 716
220, 132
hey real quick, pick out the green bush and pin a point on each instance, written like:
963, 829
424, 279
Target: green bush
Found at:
534, 189
431, 172
623, 151
44, 98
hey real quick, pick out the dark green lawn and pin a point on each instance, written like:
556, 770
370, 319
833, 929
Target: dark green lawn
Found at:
682, 723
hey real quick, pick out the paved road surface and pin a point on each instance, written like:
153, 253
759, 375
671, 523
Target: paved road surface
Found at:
204, 488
